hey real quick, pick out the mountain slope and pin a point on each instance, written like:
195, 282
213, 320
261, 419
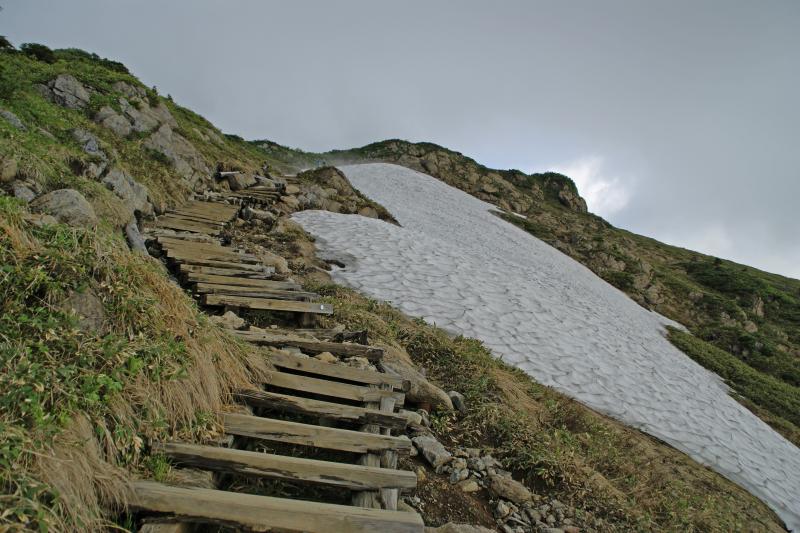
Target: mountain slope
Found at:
456, 265
752, 316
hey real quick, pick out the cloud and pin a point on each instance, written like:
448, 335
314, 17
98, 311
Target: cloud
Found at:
604, 195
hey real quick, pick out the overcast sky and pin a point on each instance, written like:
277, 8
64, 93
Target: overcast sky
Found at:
678, 120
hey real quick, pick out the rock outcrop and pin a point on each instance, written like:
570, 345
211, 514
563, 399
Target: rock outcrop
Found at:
66, 91
132, 193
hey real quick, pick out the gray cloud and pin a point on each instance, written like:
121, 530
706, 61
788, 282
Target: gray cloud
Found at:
687, 109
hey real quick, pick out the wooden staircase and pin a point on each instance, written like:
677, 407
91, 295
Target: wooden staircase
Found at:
335, 407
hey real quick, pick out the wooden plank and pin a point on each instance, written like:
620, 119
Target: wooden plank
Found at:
196, 276
313, 366
189, 255
267, 465
193, 218
344, 440
334, 389
258, 269
186, 226
389, 495
347, 349
307, 406
265, 513
254, 292
266, 304
232, 273
172, 243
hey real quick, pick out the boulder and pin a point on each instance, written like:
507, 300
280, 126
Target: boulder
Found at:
509, 489
280, 264
452, 527
87, 307
240, 180
397, 362
66, 91
134, 194
8, 169
292, 189
326, 357
572, 201
141, 121
89, 143
368, 212
432, 450
112, 120
12, 119
68, 206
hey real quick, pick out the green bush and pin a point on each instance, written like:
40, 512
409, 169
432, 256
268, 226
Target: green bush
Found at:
5, 44
39, 52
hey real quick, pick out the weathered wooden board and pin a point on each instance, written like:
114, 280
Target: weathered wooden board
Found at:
372, 353
313, 366
182, 245
347, 476
265, 513
266, 304
336, 411
258, 269
233, 273
254, 292
345, 440
193, 218
198, 227
199, 276
334, 389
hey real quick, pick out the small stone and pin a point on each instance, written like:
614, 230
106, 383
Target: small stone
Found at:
475, 463
421, 474
87, 307
23, 192
432, 450
502, 509
8, 169
572, 529
68, 206
458, 475
510, 489
12, 119
326, 357
459, 402
229, 320
469, 485
551, 520
292, 189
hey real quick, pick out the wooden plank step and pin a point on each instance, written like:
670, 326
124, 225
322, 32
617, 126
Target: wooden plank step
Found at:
334, 389
258, 269
192, 218
212, 212
231, 273
267, 465
372, 353
197, 227
266, 304
221, 209
199, 276
266, 513
307, 406
171, 243
186, 255
254, 292
310, 365
328, 438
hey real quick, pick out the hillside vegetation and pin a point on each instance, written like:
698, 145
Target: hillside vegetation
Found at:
751, 316
83, 398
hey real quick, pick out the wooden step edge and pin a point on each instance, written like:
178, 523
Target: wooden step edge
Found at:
264, 513
345, 440
272, 466
332, 389
372, 353
268, 304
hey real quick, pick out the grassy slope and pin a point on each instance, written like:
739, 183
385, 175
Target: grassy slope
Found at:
751, 315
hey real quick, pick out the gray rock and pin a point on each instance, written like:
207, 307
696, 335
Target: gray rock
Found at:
66, 91
23, 192
229, 320
459, 402
432, 450
12, 119
68, 206
509, 489
188, 162
134, 194
89, 143
87, 307
141, 121
112, 120
129, 90
452, 527
134, 237
240, 180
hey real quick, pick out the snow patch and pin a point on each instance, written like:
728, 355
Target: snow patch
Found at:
458, 266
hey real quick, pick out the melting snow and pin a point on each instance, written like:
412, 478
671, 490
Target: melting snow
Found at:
457, 265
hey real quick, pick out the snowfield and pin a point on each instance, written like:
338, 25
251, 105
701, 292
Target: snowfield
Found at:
464, 269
